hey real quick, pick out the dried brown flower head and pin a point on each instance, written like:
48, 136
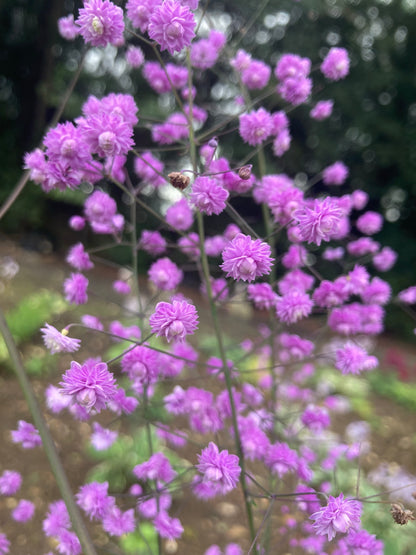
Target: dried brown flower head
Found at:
400, 514
245, 172
179, 180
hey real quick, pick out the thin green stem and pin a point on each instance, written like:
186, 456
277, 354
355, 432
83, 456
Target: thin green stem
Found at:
47, 441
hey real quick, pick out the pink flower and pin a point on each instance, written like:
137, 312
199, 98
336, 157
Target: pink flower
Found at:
320, 222
352, 359
256, 126
4, 544
23, 511
408, 296
336, 64
322, 110
90, 385
10, 482
179, 215
59, 342
27, 435
281, 459
93, 498
165, 274
101, 22
370, 223
134, 56
246, 258
292, 65
338, 516
219, 468
172, 26
168, 527
102, 438
208, 196
139, 12
385, 259
157, 467
293, 306
335, 174
117, 523
78, 258
152, 242
67, 28
174, 320
256, 75
75, 288
262, 295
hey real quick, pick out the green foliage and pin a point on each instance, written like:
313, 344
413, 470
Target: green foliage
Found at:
28, 316
388, 385
140, 542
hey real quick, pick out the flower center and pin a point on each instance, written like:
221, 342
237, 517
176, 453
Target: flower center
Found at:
97, 26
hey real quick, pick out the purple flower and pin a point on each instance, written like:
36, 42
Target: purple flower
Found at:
101, 22
56, 401
90, 385
281, 144
58, 341
360, 542
117, 523
219, 468
352, 359
149, 168
189, 245
75, 288
295, 90
262, 295
281, 459
157, 467
27, 435
335, 174
93, 498
78, 258
141, 364
10, 482
107, 134
293, 306
67, 28
385, 259
165, 274
4, 544
139, 12
338, 516
102, 438
322, 110
168, 527
256, 126
208, 196
315, 418
174, 320
121, 287
336, 64
172, 26
152, 242
292, 65
205, 52
320, 222
370, 223
134, 56
256, 75
174, 129
179, 215
100, 210
68, 543
57, 519
23, 511
246, 258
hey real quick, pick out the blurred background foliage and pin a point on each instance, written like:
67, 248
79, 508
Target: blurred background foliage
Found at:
372, 129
